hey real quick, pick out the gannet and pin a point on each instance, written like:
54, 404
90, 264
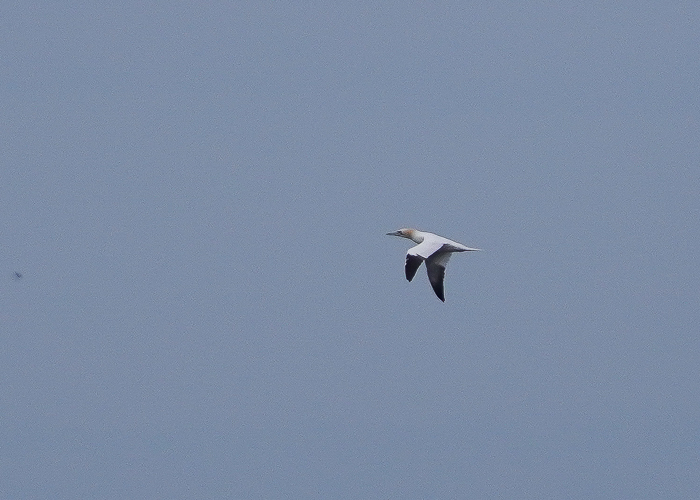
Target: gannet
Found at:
435, 251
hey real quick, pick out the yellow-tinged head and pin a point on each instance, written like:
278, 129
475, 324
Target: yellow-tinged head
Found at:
411, 234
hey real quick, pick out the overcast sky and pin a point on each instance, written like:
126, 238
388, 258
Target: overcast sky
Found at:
196, 196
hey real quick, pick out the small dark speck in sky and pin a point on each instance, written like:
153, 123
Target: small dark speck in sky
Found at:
17, 275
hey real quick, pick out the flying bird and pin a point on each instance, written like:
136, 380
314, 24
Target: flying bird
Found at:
435, 251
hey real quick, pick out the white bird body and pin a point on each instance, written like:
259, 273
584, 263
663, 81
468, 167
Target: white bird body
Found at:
435, 251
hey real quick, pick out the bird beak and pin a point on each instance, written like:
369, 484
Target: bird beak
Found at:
394, 233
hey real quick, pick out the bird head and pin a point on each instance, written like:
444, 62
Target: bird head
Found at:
404, 233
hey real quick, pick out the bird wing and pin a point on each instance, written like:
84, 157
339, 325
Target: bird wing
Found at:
427, 248
435, 265
417, 254
413, 262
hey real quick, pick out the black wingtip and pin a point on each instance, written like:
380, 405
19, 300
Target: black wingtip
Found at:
413, 262
436, 275
439, 290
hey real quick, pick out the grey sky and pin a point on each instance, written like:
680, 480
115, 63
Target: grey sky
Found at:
197, 196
